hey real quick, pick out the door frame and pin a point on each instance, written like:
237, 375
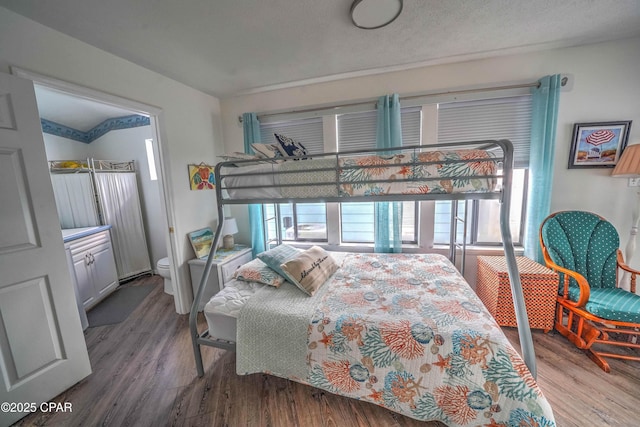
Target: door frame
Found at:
156, 116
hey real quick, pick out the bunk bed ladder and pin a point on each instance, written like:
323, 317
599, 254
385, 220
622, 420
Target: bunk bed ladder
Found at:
454, 245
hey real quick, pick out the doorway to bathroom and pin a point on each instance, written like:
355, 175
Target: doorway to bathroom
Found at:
80, 123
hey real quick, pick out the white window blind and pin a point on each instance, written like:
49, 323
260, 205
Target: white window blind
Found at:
500, 118
299, 221
307, 131
357, 131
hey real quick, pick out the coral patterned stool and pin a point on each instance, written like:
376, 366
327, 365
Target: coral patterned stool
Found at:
539, 286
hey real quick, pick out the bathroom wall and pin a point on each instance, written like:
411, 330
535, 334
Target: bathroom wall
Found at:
59, 148
128, 144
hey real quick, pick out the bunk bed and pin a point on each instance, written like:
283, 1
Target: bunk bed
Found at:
368, 331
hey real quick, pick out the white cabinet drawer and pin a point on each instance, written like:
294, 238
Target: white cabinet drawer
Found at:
89, 242
230, 267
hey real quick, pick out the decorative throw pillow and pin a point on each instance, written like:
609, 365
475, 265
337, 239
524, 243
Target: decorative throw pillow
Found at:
258, 271
277, 256
310, 270
269, 151
290, 147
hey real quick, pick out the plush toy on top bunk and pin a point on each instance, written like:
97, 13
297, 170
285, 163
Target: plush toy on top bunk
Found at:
286, 147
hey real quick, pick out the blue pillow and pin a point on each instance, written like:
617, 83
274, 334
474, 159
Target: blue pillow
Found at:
278, 255
290, 146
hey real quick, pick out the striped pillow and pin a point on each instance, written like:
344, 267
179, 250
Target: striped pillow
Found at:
277, 256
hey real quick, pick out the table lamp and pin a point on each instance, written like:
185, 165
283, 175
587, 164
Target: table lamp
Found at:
629, 166
229, 228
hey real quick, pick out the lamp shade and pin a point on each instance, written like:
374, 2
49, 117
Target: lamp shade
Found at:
229, 227
629, 163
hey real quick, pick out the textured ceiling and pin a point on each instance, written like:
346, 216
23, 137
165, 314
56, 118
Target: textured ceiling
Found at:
229, 47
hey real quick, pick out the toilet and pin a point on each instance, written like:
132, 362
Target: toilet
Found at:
164, 271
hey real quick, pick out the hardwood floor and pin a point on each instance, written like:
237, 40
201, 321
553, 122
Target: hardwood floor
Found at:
144, 375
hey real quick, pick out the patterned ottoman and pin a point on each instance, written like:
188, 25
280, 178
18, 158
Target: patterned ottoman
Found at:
539, 285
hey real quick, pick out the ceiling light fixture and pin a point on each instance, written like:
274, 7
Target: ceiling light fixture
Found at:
372, 14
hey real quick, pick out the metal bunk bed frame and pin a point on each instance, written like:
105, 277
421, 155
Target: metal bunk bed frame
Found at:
503, 195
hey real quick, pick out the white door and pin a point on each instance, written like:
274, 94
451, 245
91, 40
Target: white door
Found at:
42, 347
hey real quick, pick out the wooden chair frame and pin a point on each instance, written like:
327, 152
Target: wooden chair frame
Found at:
584, 329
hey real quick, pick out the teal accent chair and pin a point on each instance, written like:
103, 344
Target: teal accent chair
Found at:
592, 310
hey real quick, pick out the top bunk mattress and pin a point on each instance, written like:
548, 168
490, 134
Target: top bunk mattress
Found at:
413, 172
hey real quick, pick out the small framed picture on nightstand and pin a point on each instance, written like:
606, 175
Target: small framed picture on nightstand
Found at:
201, 241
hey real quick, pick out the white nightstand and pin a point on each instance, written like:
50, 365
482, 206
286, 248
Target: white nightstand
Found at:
225, 263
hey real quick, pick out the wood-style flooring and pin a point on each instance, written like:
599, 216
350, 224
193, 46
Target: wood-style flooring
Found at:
144, 375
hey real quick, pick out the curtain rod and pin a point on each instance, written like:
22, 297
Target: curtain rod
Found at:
563, 82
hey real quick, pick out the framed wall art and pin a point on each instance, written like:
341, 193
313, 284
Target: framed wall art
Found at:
201, 177
598, 145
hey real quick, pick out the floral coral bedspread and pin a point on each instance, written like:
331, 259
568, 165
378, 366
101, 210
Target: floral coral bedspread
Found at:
439, 172
453, 171
406, 332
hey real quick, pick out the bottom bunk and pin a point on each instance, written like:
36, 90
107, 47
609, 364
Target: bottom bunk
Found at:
402, 331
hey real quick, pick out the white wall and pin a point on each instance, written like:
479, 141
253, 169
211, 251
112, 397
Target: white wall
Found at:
606, 87
59, 148
189, 123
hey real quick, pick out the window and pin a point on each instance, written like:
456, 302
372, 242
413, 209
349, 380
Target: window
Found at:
151, 161
483, 218
357, 222
500, 118
308, 131
296, 221
303, 222
357, 131
496, 118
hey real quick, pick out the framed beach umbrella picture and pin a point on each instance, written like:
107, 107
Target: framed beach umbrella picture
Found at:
598, 145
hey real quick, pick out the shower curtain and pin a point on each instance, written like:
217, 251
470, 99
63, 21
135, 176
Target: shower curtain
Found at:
120, 203
75, 200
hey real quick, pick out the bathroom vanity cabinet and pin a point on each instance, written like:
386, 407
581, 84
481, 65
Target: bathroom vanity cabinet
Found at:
92, 264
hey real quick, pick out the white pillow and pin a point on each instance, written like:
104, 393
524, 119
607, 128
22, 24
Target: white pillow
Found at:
240, 156
268, 151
